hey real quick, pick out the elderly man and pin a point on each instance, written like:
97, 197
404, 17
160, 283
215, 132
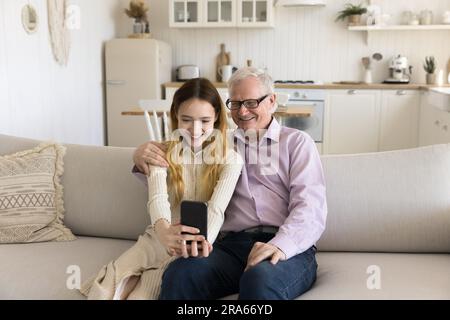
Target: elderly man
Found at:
266, 248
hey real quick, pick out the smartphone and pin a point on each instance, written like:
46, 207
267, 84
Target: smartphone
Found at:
195, 214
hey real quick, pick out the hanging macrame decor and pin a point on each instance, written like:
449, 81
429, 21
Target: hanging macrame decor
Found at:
59, 34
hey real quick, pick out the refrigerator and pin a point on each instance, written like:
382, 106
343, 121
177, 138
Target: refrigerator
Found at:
136, 69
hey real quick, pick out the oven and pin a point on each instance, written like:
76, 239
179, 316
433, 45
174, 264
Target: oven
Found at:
312, 100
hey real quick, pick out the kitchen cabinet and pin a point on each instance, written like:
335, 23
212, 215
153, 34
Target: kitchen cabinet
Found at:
185, 13
220, 13
358, 121
255, 13
352, 121
399, 123
434, 125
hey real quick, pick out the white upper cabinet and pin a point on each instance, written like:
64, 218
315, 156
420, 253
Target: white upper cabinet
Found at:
220, 13
185, 13
255, 13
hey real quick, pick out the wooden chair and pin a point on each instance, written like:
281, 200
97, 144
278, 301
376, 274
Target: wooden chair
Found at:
158, 129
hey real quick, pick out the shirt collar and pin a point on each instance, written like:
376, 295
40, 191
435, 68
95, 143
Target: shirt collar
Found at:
272, 132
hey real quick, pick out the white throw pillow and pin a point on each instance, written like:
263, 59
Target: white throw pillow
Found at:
31, 196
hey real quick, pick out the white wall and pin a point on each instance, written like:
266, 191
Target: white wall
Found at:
40, 99
306, 43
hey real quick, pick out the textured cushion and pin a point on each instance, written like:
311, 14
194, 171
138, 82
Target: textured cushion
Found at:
345, 275
396, 201
31, 196
400, 276
42, 270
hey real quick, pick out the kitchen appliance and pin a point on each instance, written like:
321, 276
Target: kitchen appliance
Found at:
187, 72
446, 17
294, 82
426, 17
399, 70
225, 72
311, 99
448, 71
135, 70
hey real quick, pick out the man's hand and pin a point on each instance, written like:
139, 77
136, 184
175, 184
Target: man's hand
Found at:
262, 251
152, 153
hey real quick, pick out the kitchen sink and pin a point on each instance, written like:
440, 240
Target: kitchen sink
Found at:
440, 98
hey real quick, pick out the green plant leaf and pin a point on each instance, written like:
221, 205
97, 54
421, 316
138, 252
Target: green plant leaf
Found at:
351, 9
430, 64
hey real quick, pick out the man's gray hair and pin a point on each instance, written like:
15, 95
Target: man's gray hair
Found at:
264, 78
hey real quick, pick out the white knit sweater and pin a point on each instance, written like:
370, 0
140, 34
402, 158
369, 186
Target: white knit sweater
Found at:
160, 203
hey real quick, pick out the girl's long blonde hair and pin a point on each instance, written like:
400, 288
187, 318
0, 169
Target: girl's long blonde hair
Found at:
204, 90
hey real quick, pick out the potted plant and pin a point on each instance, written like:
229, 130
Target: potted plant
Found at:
138, 11
352, 13
430, 67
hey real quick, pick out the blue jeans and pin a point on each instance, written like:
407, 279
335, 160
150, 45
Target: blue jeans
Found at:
222, 273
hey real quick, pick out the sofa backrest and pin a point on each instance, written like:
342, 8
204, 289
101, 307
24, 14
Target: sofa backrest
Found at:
397, 201
101, 196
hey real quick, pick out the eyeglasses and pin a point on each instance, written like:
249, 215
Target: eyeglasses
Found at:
249, 104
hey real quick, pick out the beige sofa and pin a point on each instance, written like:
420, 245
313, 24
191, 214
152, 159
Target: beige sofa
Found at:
387, 236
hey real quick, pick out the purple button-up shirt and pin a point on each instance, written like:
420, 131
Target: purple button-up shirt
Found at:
290, 196
284, 189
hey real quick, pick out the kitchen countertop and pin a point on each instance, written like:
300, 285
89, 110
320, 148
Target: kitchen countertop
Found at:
360, 86
281, 111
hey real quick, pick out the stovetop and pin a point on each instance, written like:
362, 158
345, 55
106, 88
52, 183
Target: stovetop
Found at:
294, 81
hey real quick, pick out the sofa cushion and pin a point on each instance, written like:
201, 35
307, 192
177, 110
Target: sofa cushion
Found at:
31, 196
101, 196
397, 201
402, 276
34, 271
38, 270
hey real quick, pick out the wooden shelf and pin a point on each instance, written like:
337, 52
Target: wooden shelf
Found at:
400, 27
368, 29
